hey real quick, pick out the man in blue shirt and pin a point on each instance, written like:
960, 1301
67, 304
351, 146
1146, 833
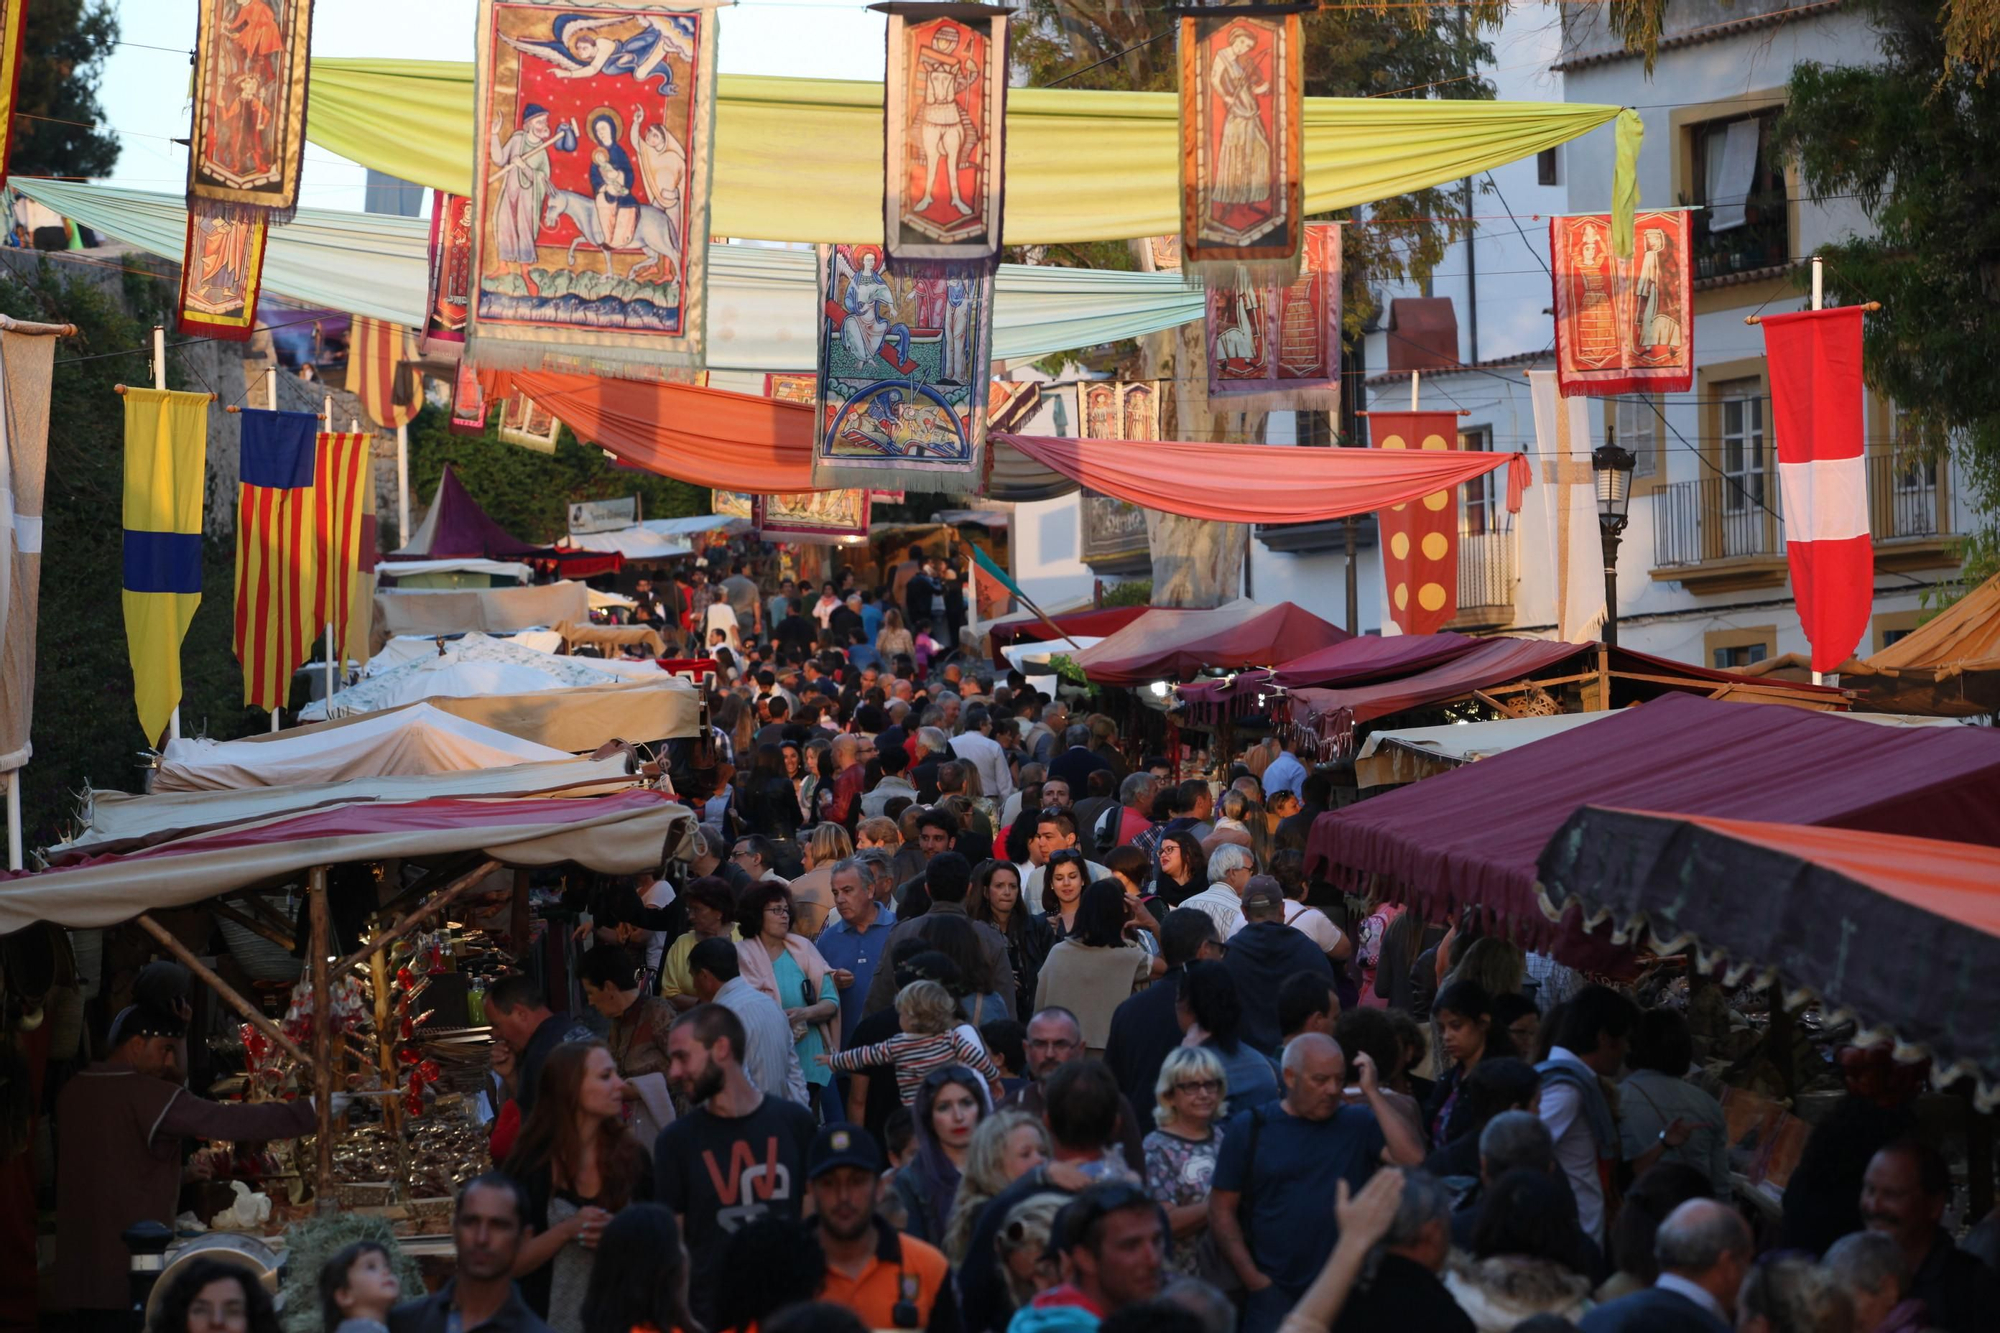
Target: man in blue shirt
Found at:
1285, 773
871, 616
856, 940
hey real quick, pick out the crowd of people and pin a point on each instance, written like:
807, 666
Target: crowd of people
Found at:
970, 1019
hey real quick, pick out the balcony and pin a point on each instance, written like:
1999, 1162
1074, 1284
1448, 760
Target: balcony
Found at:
1486, 581
1909, 512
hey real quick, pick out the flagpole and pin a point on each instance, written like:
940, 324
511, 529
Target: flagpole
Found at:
14, 819
159, 382
403, 484
1817, 301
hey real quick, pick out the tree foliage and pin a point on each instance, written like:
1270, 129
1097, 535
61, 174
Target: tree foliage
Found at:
56, 111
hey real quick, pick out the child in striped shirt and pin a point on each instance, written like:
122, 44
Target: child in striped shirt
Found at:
931, 1039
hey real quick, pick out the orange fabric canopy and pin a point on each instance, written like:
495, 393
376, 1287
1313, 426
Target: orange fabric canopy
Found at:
738, 441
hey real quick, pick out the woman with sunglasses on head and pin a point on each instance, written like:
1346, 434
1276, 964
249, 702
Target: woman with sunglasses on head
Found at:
1180, 1154
791, 971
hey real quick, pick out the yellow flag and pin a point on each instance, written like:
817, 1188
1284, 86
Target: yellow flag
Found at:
166, 463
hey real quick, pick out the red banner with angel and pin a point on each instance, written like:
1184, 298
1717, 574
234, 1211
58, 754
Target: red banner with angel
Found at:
1419, 539
1623, 325
449, 298
946, 125
1242, 153
249, 136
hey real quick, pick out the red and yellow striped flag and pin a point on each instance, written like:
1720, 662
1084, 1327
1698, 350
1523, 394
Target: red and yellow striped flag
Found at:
376, 354
276, 553
359, 644
337, 509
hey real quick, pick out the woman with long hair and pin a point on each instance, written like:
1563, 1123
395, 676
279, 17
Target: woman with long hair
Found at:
767, 803
995, 898
1006, 1146
949, 1106
816, 788
1133, 870
1463, 1012
894, 639
1500, 1083
578, 1165
1063, 882
210, 1294
1524, 1249
1211, 1015
1022, 831
1094, 968
791, 971
958, 939
1183, 869
1181, 1153
795, 768
641, 1278
812, 890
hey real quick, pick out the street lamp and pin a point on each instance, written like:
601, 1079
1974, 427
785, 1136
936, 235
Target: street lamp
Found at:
1613, 466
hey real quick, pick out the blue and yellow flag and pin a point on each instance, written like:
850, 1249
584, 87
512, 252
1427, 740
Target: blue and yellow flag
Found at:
166, 464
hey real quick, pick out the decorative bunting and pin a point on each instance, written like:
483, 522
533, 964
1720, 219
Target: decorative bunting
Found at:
166, 476
249, 138
380, 374
1242, 157
13, 24
1420, 537
1281, 348
222, 268
276, 553
468, 402
903, 359
343, 458
449, 292
1816, 416
595, 123
1623, 325
531, 427
945, 128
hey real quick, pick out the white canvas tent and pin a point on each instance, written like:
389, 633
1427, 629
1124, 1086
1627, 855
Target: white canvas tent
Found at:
469, 667
406, 743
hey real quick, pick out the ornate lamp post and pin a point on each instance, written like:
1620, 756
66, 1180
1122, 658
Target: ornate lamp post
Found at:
1613, 466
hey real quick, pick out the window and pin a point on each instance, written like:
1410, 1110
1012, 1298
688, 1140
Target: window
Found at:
1741, 455
1890, 636
1735, 649
1482, 513
1634, 422
1739, 181
1737, 657
1545, 167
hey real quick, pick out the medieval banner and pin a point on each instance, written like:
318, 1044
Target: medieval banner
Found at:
1419, 539
946, 128
468, 403
1114, 530
222, 267
1623, 325
590, 233
812, 515
731, 504
249, 136
1280, 348
531, 427
13, 25
449, 299
790, 387
1242, 157
903, 357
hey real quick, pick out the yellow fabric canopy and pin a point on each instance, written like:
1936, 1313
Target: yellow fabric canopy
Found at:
801, 159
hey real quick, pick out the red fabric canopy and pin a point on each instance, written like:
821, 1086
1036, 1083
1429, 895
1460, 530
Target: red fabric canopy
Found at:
1170, 644
1333, 714
738, 441
1355, 661
1098, 623
1472, 836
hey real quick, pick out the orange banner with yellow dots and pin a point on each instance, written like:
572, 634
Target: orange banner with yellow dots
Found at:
1419, 538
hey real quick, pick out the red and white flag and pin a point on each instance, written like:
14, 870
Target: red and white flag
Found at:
1816, 411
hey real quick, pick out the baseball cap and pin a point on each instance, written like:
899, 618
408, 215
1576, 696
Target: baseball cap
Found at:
842, 1145
1264, 891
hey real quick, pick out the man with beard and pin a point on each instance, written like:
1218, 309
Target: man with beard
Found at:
889, 1279
737, 1157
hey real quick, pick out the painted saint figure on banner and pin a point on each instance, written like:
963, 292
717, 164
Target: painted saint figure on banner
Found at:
1243, 158
1242, 164
1622, 325
243, 90
945, 100
222, 250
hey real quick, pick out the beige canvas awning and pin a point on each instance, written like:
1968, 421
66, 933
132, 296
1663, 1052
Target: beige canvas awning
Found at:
575, 720
458, 610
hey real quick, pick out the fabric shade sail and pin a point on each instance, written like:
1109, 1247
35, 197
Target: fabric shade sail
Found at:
760, 301
1789, 902
1094, 624
1172, 644
622, 834
1332, 714
1394, 756
1472, 836
801, 159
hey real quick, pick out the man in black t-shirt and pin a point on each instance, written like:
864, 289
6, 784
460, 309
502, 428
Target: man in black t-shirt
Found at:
736, 1158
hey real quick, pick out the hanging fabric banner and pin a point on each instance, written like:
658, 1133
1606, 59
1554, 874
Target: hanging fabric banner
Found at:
732, 504
13, 25
276, 552
166, 474
903, 358
1278, 349
222, 267
531, 427
27, 367
1114, 530
360, 612
468, 403
945, 123
1242, 158
1816, 415
1420, 536
448, 297
1623, 325
379, 372
1562, 437
249, 138
591, 190
337, 506
809, 514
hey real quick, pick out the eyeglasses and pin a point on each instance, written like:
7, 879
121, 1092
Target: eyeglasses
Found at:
779, 908
1199, 1085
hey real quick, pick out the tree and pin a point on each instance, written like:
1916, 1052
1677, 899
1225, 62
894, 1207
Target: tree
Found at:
1905, 137
56, 111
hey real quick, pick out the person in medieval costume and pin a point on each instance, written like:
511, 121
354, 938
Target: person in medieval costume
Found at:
1234, 341
221, 246
958, 297
121, 1126
662, 167
523, 177
242, 119
868, 307
611, 178
253, 30
1653, 318
943, 126
1243, 164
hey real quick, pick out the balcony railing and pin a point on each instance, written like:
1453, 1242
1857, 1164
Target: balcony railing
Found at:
1716, 518
1905, 499
1486, 569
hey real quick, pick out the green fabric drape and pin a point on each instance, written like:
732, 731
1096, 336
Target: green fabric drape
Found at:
801, 159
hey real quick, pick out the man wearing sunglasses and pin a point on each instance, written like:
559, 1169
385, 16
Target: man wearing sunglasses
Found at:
1113, 1239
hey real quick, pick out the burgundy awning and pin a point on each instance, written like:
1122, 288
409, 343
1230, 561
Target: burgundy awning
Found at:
456, 525
1332, 715
1100, 623
1355, 661
1167, 644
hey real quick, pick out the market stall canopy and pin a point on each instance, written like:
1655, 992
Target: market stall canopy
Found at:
117, 821
410, 742
1329, 717
612, 639
1949, 665
1027, 627
1166, 643
1355, 661
411, 647
1471, 836
801, 159
1790, 903
622, 834
503, 569
1407, 754
471, 666
574, 720
651, 540
463, 610
455, 525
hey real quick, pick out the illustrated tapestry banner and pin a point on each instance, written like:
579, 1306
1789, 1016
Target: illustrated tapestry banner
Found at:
590, 233
1280, 348
903, 361
1420, 538
468, 403
825, 514
731, 504
1114, 530
222, 268
449, 300
531, 427
945, 127
1242, 155
1623, 325
249, 138
13, 26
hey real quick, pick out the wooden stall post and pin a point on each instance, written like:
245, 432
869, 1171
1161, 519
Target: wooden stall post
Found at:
518, 924
322, 1042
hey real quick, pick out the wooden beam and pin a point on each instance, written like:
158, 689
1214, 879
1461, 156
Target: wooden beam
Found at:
415, 918
251, 1013
1494, 704
255, 903
426, 884
322, 940
252, 924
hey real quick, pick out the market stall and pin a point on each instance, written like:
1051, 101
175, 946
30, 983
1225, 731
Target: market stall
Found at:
453, 572
1949, 665
1173, 644
456, 525
460, 610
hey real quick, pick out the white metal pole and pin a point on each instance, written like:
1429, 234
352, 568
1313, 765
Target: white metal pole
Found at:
14, 861
271, 402
159, 382
1817, 301
1413, 391
403, 484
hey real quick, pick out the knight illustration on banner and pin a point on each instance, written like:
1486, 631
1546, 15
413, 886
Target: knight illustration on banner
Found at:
945, 98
